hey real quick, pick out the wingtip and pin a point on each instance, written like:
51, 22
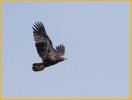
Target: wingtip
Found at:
38, 26
39, 23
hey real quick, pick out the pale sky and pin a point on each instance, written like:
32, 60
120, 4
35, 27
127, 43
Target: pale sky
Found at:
97, 41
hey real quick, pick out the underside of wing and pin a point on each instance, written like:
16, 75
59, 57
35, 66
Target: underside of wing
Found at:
42, 41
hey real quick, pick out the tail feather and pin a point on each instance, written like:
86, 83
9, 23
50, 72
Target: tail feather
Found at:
38, 66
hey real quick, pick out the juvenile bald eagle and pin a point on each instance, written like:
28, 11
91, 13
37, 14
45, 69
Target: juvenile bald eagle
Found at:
44, 46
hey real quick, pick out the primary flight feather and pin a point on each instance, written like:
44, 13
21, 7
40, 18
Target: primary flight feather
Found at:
44, 46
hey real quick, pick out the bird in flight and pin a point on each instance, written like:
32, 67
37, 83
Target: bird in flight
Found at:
45, 49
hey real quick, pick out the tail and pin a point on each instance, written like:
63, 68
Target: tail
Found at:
38, 67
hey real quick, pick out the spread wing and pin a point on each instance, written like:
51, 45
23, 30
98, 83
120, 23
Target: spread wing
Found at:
42, 41
60, 50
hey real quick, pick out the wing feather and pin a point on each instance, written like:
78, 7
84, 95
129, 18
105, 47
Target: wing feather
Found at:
60, 49
42, 41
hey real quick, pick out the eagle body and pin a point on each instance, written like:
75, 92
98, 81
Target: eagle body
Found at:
49, 54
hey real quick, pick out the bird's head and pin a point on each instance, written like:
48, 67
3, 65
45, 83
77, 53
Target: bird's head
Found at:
63, 58
60, 57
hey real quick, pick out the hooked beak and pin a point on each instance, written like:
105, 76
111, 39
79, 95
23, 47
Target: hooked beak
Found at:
65, 58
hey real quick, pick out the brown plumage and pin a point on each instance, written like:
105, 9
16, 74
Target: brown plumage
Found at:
44, 46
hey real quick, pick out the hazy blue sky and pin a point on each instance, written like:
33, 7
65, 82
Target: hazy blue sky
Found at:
96, 37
